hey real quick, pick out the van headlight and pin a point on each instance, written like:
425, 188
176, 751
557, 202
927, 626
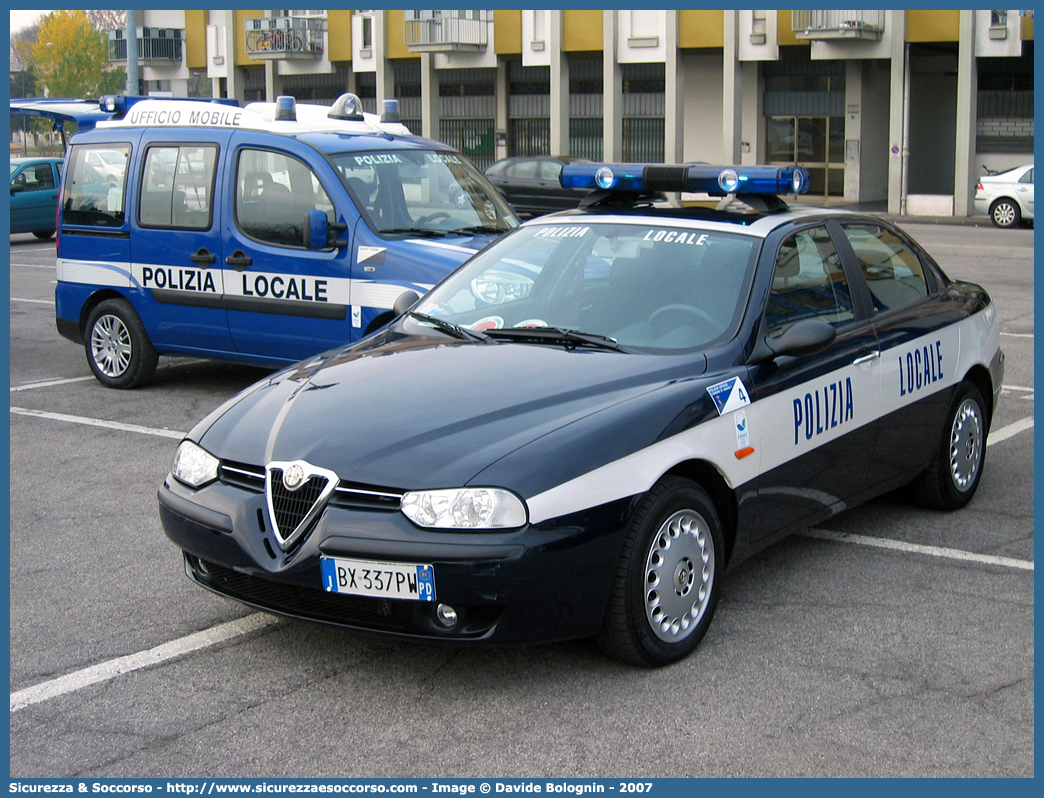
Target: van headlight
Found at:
194, 465
464, 508
495, 287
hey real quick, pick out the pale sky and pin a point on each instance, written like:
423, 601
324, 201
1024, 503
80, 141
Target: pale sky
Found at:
23, 19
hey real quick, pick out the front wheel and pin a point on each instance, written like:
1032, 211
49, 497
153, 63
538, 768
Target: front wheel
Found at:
1005, 213
43, 235
118, 350
953, 475
668, 579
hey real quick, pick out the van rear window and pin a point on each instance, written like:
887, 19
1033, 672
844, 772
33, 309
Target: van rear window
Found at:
96, 185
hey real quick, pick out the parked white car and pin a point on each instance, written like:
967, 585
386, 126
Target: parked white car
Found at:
1006, 198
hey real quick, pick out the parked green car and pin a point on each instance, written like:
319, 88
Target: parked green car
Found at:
34, 195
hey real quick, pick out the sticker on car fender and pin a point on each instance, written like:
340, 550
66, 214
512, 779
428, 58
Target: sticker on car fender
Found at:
407, 581
729, 395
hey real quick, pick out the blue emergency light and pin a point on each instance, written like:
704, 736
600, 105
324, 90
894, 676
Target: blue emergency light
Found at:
714, 180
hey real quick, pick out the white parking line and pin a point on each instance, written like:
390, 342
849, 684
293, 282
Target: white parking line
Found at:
105, 671
1018, 335
48, 383
34, 301
916, 548
1010, 431
97, 422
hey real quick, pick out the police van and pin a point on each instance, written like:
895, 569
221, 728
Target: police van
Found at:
262, 234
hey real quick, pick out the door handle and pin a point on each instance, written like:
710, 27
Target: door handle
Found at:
204, 257
239, 259
866, 358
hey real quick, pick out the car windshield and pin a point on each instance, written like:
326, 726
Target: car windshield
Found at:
423, 192
646, 286
14, 167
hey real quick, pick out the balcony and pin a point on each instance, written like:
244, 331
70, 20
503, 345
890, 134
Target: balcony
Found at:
155, 45
448, 31
284, 37
831, 25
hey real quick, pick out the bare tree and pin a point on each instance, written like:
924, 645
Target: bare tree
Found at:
106, 19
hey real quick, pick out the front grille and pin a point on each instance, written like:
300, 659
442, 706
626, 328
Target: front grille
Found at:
291, 507
312, 603
241, 475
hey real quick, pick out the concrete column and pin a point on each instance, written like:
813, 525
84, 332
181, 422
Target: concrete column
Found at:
385, 73
430, 106
612, 90
673, 95
964, 174
899, 112
501, 111
559, 99
273, 81
731, 92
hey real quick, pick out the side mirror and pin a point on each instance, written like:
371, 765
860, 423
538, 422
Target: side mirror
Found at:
17, 188
316, 230
320, 234
805, 337
404, 302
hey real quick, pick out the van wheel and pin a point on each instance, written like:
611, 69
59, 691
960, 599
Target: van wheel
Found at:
668, 579
953, 475
43, 234
118, 350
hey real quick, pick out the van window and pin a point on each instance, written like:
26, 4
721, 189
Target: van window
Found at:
274, 194
421, 192
177, 186
94, 195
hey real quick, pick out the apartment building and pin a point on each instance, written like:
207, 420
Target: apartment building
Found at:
903, 107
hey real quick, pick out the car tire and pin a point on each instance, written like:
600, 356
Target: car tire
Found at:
118, 350
1005, 213
668, 577
953, 475
43, 235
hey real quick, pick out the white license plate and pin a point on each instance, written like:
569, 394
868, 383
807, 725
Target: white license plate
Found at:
379, 579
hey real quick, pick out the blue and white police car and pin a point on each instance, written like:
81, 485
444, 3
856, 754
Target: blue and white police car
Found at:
577, 432
262, 234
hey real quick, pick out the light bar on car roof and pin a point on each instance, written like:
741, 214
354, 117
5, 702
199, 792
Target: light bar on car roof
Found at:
716, 180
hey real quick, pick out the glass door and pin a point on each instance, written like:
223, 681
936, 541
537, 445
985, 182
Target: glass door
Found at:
815, 142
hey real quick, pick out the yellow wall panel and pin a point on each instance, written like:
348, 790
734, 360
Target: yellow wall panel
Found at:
196, 39
933, 26
339, 35
785, 29
395, 36
701, 28
582, 31
507, 32
240, 17
1027, 29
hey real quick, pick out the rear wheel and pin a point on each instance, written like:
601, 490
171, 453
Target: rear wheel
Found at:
668, 578
1005, 213
953, 475
43, 234
118, 350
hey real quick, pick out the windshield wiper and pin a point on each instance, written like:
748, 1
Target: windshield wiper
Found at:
449, 327
555, 335
479, 229
416, 231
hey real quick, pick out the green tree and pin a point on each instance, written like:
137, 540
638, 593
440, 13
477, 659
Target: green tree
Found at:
71, 59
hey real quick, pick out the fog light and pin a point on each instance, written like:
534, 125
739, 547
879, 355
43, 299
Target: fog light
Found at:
447, 615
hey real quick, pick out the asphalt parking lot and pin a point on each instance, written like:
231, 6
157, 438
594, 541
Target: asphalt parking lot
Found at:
890, 641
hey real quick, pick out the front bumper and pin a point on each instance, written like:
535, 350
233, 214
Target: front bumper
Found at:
545, 582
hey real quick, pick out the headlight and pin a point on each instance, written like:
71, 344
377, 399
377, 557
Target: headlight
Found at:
465, 508
193, 465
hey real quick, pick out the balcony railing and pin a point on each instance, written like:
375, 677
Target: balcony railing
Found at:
450, 31
154, 44
831, 25
284, 37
